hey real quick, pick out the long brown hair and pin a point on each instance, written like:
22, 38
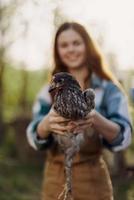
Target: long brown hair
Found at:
95, 59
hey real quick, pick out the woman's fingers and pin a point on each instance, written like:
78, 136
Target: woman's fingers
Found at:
61, 127
58, 127
81, 128
86, 121
59, 132
53, 119
91, 114
84, 124
61, 119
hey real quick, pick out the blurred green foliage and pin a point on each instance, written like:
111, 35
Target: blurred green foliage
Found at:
19, 181
12, 88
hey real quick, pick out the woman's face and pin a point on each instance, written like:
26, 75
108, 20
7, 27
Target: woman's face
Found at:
71, 49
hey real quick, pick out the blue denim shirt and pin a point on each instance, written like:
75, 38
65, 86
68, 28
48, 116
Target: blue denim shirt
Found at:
110, 101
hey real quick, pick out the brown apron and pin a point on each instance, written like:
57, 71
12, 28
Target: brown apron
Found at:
90, 176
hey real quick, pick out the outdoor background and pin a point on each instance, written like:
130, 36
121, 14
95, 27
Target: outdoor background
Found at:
27, 31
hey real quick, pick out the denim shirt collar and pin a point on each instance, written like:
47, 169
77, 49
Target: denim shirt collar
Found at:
95, 81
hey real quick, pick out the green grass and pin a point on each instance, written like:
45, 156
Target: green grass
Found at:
19, 181
124, 188
23, 182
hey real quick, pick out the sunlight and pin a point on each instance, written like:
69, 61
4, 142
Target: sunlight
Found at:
114, 19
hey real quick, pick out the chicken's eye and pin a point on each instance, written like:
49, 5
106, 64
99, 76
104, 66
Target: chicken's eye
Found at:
61, 80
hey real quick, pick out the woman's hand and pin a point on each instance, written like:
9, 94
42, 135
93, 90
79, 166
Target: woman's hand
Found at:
55, 123
87, 122
107, 128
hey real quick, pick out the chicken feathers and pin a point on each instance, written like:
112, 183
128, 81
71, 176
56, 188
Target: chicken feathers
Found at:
74, 104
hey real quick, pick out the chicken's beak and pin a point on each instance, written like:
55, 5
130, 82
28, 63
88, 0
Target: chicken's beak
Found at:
52, 87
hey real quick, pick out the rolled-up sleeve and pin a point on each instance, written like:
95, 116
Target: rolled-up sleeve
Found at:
40, 109
117, 111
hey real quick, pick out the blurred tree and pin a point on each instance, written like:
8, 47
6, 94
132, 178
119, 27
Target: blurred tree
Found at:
24, 75
7, 10
23, 91
23, 117
59, 17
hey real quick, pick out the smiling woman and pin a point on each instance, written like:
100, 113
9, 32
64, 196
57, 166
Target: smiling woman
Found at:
108, 125
117, 29
73, 50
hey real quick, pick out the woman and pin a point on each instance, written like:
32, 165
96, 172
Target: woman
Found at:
109, 123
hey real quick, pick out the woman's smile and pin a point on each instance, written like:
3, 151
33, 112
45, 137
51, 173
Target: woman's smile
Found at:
71, 49
72, 57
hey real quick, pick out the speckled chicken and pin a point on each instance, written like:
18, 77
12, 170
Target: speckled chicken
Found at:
74, 104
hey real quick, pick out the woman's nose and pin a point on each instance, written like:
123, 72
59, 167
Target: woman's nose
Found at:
71, 48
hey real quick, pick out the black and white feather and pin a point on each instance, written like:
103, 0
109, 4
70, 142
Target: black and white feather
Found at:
74, 104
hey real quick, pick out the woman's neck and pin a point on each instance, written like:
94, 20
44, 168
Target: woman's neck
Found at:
82, 76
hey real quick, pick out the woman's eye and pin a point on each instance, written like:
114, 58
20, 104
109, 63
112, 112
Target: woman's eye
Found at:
64, 45
76, 43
